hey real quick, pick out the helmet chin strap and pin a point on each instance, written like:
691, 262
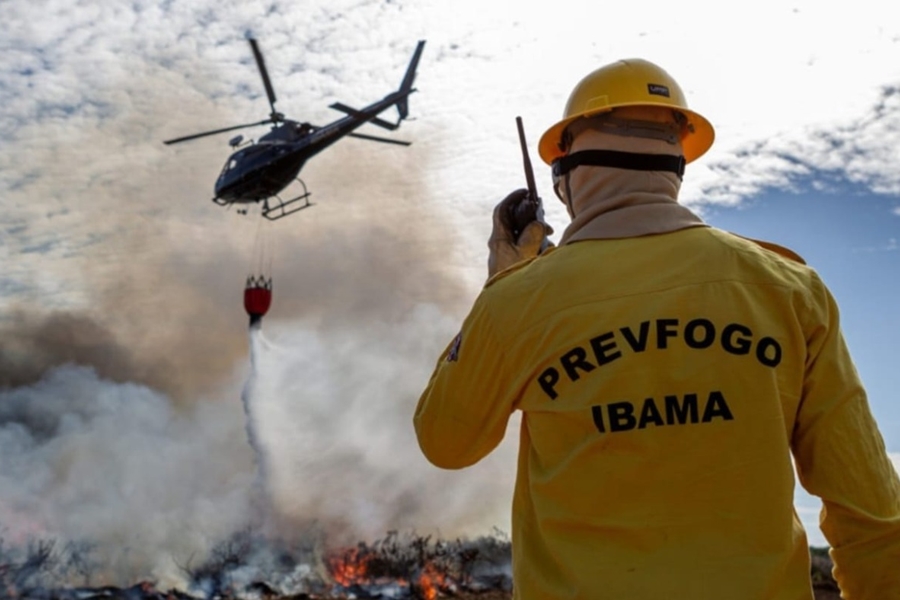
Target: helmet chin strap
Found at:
619, 160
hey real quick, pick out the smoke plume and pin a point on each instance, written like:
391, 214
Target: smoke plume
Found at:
123, 352
116, 467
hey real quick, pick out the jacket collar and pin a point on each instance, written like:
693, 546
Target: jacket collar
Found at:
608, 203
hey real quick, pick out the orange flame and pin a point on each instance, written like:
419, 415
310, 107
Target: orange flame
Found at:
430, 580
353, 566
349, 568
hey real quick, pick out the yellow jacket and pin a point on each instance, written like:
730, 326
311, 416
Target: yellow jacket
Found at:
665, 383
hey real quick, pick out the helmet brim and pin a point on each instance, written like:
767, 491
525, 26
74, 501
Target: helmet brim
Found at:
695, 142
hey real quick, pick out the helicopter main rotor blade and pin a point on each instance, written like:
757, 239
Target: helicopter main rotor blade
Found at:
375, 138
265, 74
206, 133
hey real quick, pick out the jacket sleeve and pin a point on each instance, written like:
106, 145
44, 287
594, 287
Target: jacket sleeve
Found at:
841, 458
463, 413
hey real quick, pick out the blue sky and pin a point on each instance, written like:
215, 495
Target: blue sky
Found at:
113, 254
851, 238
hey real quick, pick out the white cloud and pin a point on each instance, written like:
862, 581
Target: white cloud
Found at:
889, 246
86, 96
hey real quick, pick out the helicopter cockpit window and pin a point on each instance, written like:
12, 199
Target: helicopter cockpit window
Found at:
235, 158
229, 165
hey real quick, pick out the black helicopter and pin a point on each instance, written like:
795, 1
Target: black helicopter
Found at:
259, 170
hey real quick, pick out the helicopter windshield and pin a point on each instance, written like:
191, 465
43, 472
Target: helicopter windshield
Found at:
229, 165
234, 159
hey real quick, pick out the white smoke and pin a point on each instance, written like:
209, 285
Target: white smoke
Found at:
153, 485
334, 411
115, 466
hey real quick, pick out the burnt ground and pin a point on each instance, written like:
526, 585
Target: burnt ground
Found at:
823, 591
393, 560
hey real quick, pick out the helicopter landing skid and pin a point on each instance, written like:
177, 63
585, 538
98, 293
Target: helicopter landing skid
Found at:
286, 207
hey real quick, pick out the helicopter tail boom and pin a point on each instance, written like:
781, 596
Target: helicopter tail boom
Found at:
358, 113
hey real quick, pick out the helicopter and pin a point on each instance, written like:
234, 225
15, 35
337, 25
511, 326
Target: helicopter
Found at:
258, 171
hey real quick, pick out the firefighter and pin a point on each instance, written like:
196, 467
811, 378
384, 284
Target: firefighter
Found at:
668, 374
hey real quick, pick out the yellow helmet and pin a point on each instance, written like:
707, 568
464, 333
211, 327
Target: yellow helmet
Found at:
631, 82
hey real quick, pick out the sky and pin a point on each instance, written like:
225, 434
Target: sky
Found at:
122, 326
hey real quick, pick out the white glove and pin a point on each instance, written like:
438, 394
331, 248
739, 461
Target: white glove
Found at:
505, 249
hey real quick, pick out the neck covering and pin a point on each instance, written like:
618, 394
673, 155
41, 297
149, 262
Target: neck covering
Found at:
609, 203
